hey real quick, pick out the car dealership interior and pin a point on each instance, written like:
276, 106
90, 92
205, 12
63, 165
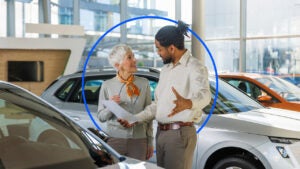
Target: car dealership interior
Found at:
54, 61
237, 39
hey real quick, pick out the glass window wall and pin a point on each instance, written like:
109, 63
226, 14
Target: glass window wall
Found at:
272, 39
139, 33
225, 55
273, 56
186, 12
61, 12
276, 17
31, 12
25, 13
97, 17
3, 20
19, 19
222, 18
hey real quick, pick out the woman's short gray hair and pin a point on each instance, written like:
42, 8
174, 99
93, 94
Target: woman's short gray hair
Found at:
118, 53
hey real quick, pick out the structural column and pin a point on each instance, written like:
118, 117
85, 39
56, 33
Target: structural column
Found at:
76, 12
123, 17
198, 27
44, 11
44, 14
11, 30
177, 9
243, 34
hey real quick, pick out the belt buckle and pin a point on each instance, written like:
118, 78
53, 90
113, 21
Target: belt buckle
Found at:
174, 126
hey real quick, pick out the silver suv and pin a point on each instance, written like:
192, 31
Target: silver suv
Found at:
240, 134
65, 92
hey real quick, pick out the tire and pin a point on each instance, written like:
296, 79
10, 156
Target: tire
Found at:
235, 162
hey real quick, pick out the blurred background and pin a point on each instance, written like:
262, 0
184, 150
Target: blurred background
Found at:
242, 35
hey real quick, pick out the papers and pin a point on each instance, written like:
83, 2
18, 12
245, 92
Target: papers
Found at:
140, 165
119, 111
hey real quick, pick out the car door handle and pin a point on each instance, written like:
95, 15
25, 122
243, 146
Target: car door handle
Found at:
76, 118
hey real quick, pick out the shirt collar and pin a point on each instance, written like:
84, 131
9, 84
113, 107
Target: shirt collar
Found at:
183, 60
185, 57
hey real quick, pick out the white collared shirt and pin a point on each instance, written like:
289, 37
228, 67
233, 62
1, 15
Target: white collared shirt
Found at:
190, 78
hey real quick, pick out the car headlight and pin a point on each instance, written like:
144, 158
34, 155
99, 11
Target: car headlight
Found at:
282, 151
283, 140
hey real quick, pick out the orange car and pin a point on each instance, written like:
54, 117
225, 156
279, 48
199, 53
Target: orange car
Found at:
269, 90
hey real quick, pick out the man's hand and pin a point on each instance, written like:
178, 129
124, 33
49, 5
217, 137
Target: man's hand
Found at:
125, 123
181, 103
150, 151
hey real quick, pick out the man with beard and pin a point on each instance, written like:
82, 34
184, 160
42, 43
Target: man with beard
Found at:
181, 94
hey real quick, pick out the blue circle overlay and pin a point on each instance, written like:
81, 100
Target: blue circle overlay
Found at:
149, 17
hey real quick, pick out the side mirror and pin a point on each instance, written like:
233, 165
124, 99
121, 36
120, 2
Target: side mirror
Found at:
100, 134
265, 99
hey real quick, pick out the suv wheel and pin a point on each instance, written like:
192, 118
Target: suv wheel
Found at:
235, 162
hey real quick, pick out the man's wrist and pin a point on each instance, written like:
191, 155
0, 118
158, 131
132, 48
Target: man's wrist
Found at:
189, 104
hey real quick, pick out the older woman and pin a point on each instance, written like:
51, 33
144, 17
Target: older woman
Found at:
133, 94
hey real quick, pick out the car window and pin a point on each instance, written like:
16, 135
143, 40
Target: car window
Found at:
26, 134
91, 92
242, 85
153, 85
71, 91
293, 79
285, 89
297, 79
230, 100
251, 89
63, 92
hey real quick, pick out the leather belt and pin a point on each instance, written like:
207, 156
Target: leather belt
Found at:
174, 125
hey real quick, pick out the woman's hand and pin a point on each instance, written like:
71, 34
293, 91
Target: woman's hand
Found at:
125, 123
116, 98
150, 151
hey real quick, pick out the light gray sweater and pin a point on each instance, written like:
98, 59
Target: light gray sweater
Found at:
133, 105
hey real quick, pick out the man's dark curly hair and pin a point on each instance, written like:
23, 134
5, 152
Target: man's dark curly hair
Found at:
172, 35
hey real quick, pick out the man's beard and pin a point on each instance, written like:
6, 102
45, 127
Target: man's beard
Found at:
167, 60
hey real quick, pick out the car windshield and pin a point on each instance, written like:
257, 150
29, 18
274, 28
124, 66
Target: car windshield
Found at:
293, 79
230, 100
285, 89
32, 135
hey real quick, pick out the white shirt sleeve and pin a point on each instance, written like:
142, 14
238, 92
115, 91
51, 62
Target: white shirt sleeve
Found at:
201, 95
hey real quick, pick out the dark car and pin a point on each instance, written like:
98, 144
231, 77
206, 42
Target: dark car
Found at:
34, 134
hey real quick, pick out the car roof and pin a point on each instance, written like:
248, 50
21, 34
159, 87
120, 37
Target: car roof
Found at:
289, 75
245, 74
154, 72
107, 69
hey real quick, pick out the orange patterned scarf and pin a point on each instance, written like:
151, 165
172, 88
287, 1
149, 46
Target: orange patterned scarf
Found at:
131, 88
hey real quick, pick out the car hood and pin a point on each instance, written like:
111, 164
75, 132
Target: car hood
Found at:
267, 121
131, 163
